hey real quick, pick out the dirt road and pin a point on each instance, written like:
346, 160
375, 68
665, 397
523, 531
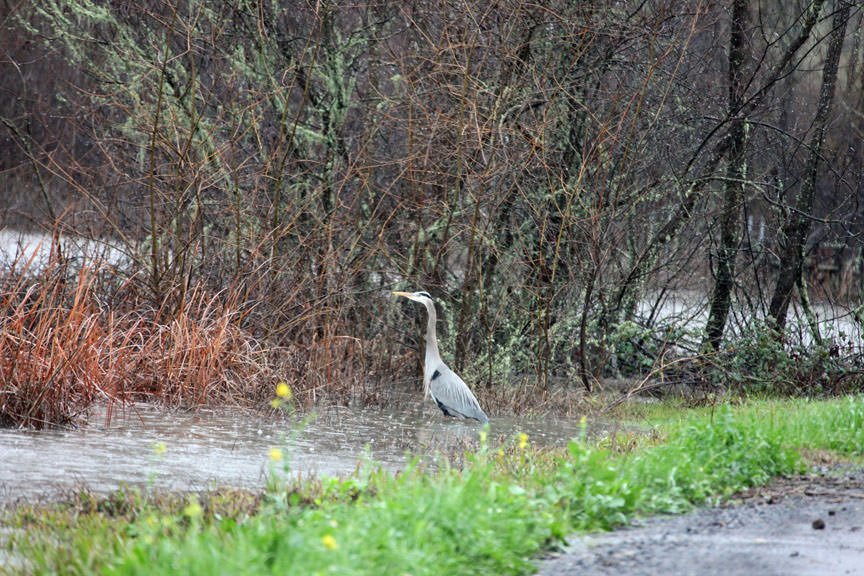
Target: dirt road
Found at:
812, 525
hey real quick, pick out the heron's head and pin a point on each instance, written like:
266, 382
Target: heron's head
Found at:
421, 297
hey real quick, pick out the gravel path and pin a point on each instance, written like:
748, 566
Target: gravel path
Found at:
810, 525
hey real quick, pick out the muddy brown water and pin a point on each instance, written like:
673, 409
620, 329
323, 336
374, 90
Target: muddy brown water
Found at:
146, 446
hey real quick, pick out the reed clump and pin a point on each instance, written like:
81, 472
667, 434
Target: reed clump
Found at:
63, 348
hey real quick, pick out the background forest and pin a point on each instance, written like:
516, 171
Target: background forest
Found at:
664, 190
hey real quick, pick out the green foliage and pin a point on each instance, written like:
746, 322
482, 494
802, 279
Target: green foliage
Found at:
703, 458
761, 363
634, 347
626, 342
449, 523
591, 487
836, 425
842, 429
718, 456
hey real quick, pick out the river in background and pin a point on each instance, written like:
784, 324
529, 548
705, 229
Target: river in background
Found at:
36, 249
145, 446
670, 308
689, 309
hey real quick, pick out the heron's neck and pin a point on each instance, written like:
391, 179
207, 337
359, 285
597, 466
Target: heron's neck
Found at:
431, 338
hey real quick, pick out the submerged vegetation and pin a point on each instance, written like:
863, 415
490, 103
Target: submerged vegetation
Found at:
490, 514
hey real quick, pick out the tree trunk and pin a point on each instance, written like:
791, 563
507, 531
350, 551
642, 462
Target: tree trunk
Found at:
730, 222
797, 226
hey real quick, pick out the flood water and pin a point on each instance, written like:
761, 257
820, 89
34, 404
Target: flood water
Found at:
151, 447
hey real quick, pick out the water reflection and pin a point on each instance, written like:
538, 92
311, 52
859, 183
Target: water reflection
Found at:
231, 447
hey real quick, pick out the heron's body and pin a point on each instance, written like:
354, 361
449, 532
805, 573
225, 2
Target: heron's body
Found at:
446, 388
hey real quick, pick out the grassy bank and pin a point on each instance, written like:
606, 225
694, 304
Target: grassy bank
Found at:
489, 515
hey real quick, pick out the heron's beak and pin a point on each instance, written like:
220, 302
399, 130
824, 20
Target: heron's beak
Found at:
405, 294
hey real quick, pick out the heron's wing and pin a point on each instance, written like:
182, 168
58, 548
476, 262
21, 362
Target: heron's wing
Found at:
450, 390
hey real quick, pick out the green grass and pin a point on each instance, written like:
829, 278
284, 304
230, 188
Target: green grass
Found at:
836, 425
489, 516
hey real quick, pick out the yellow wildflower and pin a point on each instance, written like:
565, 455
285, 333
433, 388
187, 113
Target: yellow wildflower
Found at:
159, 448
329, 542
275, 454
283, 390
523, 440
192, 509
275, 403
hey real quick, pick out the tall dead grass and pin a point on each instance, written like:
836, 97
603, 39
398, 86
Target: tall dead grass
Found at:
62, 349
51, 344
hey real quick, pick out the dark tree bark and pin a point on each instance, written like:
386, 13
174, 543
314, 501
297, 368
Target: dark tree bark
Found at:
797, 226
730, 221
647, 258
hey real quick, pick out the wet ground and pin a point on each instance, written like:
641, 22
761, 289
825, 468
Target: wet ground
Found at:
812, 525
148, 446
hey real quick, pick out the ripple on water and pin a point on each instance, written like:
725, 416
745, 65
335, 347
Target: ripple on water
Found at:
148, 446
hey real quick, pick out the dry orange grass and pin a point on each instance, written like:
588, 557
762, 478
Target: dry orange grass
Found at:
61, 351
199, 355
51, 344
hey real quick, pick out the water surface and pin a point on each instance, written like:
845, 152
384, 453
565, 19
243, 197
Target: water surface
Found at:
148, 446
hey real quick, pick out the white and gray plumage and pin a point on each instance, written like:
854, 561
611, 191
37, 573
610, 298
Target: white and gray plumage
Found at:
447, 389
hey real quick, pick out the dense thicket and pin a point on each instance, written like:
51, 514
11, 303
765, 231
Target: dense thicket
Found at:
563, 175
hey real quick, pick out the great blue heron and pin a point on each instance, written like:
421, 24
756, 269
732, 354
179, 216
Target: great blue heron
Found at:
447, 389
